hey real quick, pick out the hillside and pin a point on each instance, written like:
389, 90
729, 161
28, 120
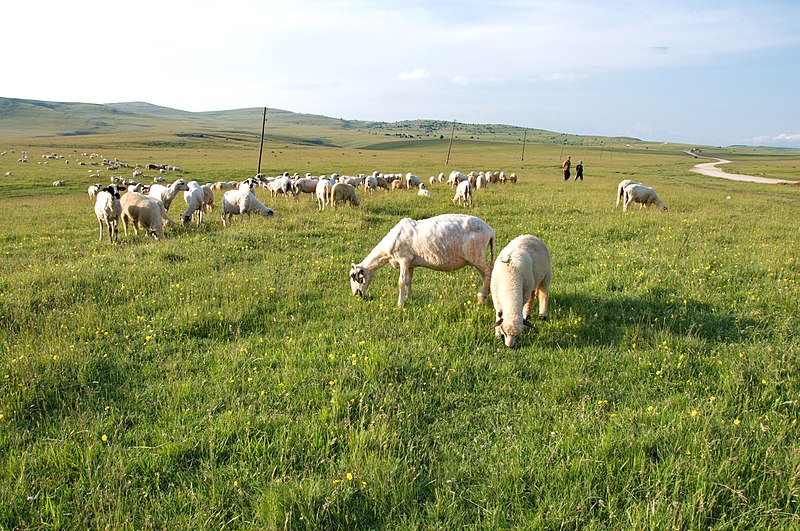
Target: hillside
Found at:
26, 119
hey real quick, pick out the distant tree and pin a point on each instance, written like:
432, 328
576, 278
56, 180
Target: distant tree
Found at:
441, 137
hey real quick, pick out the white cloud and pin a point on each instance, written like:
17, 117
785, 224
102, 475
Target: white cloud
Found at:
461, 80
781, 140
561, 77
418, 73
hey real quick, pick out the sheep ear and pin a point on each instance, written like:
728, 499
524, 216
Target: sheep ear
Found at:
497, 323
527, 323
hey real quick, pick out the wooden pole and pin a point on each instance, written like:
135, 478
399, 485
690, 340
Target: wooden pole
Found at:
261, 149
524, 137
452, 133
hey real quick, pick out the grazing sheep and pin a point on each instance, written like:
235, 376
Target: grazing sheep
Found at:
8, 174
456, 177
305, 185
370, 183
442, 243
144, 211
463, 194
522, 273
621, 190
92, 191
107, 208
342, 192
382, 182
240, 202
166, 194
398, 184
423, 192
323, 192
195, 201
59, 183
412, 181
280, 185
644, 195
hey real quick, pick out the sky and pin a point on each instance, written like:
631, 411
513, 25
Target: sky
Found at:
711, 72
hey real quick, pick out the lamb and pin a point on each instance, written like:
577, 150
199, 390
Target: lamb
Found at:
195, 202
146, 211
644, 195
522, 273
621, 190
463, 194
166, 194
423, 192
443, 243
242, 202
342, 192
92, 191
107, 208
323, 192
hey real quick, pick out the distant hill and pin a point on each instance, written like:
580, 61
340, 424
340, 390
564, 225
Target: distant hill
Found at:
21, 118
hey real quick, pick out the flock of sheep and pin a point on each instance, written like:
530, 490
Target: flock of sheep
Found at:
520, 275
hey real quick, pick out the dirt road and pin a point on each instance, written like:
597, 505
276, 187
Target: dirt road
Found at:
710, 169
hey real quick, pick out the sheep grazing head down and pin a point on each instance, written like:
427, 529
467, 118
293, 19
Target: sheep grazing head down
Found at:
359, 280
510, 331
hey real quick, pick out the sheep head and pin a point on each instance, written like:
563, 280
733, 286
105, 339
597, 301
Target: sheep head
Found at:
510, 330
359, 280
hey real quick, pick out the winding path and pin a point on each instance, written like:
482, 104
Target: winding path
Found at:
710, 169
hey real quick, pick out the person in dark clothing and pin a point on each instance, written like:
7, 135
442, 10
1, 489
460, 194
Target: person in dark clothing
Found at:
565, 166
579, 170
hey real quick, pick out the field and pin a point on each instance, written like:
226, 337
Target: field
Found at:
227, 378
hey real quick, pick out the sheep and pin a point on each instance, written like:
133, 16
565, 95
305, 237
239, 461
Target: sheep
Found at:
323, 192
305, 185
412, 181
644, 195
341, 192
58, 183
382, 182
432, 180
166, 194
281, 185
8, 174
441, 178
423, 192
208, 197
241, 202
456, 177
146, 211
108, 208
370, 183
195, 201
621, 190
463, 194
398, 184
92, 191
522, 273
443, 243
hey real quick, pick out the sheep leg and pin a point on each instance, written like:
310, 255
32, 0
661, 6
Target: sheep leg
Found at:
402, 284
544, 297
101, 229
485, 271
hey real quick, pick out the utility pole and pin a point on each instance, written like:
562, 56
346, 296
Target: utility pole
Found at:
452, 133
261, 149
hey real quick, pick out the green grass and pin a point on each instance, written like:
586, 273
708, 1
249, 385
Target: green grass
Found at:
226, 378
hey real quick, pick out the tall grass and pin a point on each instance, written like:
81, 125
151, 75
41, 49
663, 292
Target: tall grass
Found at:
226, 378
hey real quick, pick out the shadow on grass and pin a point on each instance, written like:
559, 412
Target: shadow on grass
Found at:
607, 320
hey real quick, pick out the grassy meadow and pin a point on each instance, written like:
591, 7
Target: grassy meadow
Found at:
227, 378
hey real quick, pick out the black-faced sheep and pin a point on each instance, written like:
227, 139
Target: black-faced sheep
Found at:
108, 209
522, 273
442, 243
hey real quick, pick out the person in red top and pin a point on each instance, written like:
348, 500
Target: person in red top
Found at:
565, 166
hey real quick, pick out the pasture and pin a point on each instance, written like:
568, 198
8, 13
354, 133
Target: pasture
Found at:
227, 378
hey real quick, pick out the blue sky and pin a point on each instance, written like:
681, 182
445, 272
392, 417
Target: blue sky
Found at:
712, 72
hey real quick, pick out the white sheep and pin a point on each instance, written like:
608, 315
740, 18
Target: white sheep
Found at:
144, 211
443, 243
456, 177
522, 273
644, 195
342, 192
195, 202
621, 190
423, 192
58, 183
412, 181
370, 183
323, 192
238, 202
208, 197
463, 193
108, 209
92, 190
280, 185
166, 194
